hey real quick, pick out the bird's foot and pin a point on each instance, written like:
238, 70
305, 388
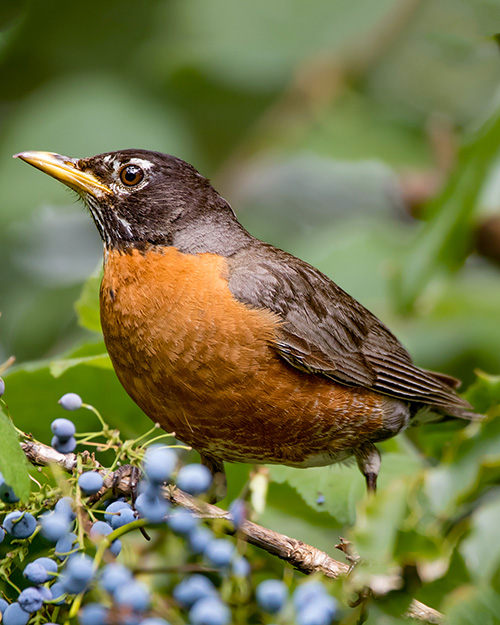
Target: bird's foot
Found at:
133, 474
368, 459
218, 489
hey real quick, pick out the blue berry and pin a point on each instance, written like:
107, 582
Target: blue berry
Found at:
78, 574
90, 482
114, 507
115, 547
119, 513
199, 539
182, 521
19, 524
2, 387
2, 534
322, 611
154, 620
154, 509
122, 517
100, 528
271, 595
159, 463
45, 593
63, 447
71, 401
7, 494
307, 593
237, 512
133, 595
54, 525
150, 489
113, 576
3, 605
57, 591
15, 615
63, 429
93, 614
30, 599
193, 588
209, 611
35, 573
219, 552
194, 479
241, 566
66, 545
65, 506
49, 565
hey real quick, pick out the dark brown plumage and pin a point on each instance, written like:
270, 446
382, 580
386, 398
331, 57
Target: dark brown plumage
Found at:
246, 352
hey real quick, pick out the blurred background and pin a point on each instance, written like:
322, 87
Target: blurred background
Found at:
361, 136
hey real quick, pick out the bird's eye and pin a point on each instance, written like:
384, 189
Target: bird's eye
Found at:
131, 175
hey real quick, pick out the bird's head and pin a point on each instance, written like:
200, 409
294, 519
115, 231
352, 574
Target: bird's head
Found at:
139, 198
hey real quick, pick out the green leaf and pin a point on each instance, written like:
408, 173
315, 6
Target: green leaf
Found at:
481, 548
13, 463
87, 305
378, 524
58, 367
33, 394
472, 463
442, 243
342, 487
469, 605
484, 394
414, 546
92, 354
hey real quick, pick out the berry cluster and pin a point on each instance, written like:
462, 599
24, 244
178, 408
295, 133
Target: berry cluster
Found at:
77, 537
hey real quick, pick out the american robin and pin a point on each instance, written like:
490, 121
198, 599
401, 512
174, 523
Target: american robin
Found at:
247, 353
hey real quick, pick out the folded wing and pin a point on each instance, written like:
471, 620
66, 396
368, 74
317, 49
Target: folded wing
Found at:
326, 331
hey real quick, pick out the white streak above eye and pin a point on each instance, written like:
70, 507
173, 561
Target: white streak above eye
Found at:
143, 163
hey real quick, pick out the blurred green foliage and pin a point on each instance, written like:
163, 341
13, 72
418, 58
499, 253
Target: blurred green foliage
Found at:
330, 126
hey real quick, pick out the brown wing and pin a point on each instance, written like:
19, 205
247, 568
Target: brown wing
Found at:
328, 332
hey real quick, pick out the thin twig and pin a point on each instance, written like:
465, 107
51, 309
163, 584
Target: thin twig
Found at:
301, 556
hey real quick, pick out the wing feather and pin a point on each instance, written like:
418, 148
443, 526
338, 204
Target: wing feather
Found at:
326, 331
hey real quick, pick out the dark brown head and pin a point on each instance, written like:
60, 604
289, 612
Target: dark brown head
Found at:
139, 198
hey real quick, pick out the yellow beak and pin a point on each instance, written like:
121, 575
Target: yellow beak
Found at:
64, 169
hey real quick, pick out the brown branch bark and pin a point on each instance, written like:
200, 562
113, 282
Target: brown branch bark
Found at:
301, 556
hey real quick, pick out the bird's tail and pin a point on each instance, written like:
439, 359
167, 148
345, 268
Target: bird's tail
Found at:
457, 408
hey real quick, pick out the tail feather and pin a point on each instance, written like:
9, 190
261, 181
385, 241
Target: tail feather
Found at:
446, 379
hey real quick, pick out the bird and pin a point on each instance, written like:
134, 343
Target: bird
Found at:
246, 352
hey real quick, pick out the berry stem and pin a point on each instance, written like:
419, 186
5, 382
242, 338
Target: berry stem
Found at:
106, 541
105, 426
150, 431
78, 503
75, 606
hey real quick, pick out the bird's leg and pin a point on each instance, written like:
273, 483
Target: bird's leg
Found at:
133, 473
368, 459
218, 489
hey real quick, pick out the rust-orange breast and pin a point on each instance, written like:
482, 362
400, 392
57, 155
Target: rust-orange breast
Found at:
202, 364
